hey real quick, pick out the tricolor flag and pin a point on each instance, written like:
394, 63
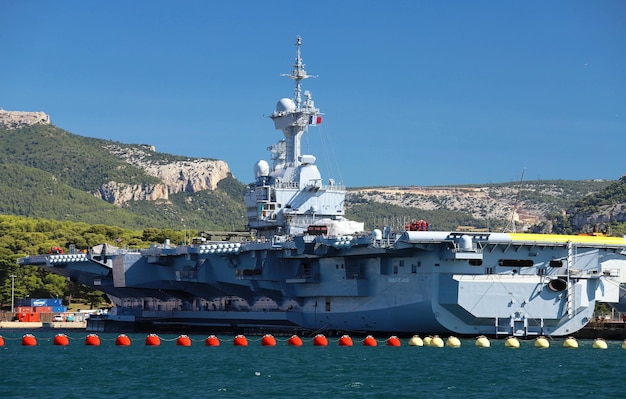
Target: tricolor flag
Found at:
315, 120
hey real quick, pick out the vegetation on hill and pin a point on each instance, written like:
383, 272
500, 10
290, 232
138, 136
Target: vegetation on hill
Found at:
46, 172
379, 215
603, 211
77, 161
20, 236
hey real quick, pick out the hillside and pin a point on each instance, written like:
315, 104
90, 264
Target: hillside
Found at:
484, 206
47, 172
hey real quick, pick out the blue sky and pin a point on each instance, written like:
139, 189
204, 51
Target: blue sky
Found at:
420, 93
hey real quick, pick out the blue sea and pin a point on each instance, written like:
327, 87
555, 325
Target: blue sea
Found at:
107, 371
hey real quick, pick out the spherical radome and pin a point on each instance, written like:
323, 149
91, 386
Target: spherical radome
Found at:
285, 105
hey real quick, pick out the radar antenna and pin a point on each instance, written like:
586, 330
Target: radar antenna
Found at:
298, 74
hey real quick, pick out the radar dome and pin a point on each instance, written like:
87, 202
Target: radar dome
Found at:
261, 168
285, 105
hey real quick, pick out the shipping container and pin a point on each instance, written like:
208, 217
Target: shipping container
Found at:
59, 309
24, 302
45, 302
28, 317
43, 309
24, 309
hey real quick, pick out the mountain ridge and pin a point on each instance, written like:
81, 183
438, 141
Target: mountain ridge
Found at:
151, 189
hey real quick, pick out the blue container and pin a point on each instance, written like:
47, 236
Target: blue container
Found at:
59, 309
45, 302
23, 302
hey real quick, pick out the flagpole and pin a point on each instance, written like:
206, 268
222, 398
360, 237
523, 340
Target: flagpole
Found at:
12, 292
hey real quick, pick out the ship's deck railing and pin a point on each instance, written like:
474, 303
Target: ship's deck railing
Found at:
113, 251
298, 186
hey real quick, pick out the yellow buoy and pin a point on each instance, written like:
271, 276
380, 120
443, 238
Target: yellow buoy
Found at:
428, 340
624, 344
453, 342
599, 343
437, 342
570, 342
542, 342
416, 341
511, 342
482, 342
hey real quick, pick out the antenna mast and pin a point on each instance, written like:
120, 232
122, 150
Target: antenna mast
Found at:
511, 226
298, 74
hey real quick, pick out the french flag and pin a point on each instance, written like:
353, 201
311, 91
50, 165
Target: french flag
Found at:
315, 120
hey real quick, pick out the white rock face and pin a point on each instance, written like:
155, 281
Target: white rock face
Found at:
121, 193
18, 119
188, 176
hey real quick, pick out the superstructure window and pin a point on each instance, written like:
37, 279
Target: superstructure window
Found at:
515, 262
556, 263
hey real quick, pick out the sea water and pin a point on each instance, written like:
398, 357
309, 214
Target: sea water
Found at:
170, 371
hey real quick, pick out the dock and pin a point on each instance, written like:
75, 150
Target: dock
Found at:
39, 325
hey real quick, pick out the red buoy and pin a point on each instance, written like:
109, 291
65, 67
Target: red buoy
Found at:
240, 340
320, 340
268, 340
153, 340
1, 341
393, 341
369, 341
294, 340
212, 340
29, 340
345, 340
61, 340
122, 340
183, 340
92, 340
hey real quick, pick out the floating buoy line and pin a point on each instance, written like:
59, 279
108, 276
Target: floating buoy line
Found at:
434, 341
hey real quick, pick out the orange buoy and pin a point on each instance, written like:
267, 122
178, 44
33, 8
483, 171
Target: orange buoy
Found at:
320, 340
29, 340
122, 340
240, 340
183, 340
345, 340
61, 340
92, 340
393, 341
369, 341
212, 340
294, 340
153, 340
1, 341
268, 340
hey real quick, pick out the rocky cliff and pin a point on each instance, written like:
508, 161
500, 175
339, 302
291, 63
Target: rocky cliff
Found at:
523, 208
186, 175
18, 119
